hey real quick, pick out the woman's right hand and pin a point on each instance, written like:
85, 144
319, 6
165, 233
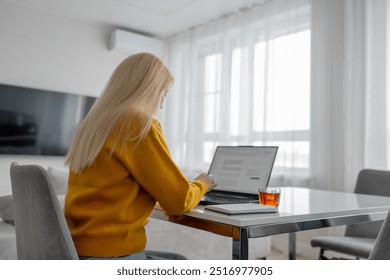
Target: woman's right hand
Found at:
207, 180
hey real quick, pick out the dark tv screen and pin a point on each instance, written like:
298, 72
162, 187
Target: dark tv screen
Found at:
39, 122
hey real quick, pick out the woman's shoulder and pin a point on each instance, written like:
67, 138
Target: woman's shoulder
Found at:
156, 123
132, 128
155, 127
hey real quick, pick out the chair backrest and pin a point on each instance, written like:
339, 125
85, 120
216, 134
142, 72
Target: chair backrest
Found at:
40, 225
381, 249
373, 182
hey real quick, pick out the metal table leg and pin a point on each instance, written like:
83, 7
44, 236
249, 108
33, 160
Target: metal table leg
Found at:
241, 246
292, 245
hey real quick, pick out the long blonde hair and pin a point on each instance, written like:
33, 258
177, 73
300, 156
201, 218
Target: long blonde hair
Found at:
131, 97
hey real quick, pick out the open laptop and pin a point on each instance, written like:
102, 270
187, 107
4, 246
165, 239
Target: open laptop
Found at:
239, 172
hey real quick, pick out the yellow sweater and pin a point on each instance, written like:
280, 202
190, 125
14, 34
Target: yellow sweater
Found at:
108, 204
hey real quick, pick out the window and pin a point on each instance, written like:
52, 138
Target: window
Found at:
269, 104
243, 80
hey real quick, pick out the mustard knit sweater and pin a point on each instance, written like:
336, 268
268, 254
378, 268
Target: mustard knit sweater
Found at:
108, 204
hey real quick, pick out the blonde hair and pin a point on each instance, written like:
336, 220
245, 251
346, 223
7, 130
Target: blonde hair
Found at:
131, 97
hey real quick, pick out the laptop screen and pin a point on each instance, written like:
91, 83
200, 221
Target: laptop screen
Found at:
242, 168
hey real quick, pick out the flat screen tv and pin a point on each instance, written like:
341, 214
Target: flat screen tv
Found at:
39, 122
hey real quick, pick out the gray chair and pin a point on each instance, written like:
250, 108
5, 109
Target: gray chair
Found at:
359, 239
381, 250
41, 230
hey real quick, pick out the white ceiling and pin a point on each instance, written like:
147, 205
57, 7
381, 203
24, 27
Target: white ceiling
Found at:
157, 18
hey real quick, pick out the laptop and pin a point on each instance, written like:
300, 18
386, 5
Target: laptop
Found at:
239, 172
241, 208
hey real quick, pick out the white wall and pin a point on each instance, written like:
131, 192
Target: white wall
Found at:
45, 51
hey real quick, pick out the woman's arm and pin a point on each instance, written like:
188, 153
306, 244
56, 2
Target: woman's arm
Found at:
151, 165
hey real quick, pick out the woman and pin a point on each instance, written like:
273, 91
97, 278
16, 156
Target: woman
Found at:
120, 165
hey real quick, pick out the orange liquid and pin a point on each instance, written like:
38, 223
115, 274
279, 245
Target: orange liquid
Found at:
270, 199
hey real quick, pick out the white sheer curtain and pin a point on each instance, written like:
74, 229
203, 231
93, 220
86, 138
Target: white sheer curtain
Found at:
349, 128
308, 76
243, 80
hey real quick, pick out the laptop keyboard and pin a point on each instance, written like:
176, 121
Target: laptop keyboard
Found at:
215, 198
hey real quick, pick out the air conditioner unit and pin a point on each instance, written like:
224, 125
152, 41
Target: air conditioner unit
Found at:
131, 43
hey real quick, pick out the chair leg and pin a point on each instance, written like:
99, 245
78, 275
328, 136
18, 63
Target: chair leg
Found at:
322, 255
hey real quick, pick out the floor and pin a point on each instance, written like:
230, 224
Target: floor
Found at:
277, 255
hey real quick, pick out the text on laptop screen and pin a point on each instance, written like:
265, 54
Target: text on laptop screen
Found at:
242, 169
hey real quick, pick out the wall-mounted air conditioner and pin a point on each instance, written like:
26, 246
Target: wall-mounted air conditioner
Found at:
131, 43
